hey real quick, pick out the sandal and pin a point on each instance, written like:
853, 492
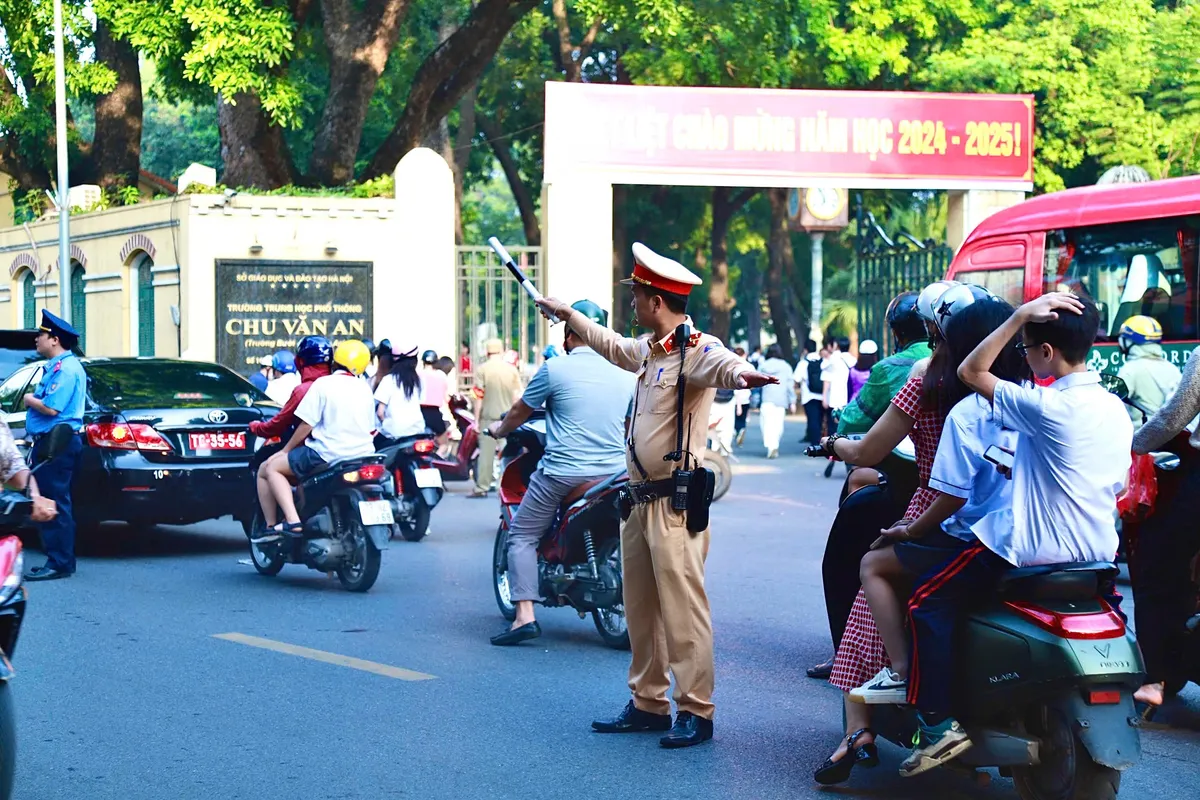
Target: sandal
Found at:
821, 671
278, 532
867, 757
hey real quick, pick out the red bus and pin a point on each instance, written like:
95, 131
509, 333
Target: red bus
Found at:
1131, 247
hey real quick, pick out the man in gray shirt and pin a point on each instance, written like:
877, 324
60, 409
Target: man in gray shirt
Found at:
587, 400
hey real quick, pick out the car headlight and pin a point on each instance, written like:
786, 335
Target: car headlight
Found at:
13, 580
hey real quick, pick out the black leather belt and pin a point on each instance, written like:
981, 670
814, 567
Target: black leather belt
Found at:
649, 491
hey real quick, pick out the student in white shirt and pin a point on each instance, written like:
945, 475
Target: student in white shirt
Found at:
337, 421
398, 398
1072, 456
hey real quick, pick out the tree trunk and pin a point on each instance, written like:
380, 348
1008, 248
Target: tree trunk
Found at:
358, 43
521, 192
720, 301
462, 153
447, 74
117, 146
570, 55
621, 298
252, 149
752, 286
779, 253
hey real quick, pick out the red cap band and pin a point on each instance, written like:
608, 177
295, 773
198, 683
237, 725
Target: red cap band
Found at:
648, 277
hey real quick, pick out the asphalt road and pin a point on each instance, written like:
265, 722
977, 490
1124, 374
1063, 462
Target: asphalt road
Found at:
125, 691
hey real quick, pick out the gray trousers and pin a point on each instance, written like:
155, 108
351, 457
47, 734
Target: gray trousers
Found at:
531, 522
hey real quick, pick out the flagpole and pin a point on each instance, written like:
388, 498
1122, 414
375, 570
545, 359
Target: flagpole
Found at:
64, 206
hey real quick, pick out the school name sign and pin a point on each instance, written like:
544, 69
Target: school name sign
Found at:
779, 137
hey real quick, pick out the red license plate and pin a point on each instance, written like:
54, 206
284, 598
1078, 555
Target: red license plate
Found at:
217, 441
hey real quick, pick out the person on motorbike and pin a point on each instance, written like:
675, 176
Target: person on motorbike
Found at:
262, 376
398, 397
919, 409
843, 553
283, 366
383, 362
1150, 378
1166, 569
337, 420
587, 400
435, 395
313, 354
1071, 459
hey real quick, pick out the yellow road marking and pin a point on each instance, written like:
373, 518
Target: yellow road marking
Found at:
386, 670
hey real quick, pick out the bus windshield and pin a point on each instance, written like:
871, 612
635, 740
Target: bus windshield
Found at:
1146, 267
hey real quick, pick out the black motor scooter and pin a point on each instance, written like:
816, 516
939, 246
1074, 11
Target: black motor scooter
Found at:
347, 513
416, 483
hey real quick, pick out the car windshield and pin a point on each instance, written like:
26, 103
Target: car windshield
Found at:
12, 359
167, 384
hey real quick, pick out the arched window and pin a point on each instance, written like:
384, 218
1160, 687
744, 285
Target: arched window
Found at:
145, 301
28, 300
78, 304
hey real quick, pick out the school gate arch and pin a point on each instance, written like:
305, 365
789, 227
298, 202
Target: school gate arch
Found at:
976, 146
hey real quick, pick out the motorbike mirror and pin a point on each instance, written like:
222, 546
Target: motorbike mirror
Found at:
1114, 384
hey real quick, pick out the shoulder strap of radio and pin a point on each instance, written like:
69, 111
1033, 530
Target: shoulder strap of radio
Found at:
682, 333
637, 396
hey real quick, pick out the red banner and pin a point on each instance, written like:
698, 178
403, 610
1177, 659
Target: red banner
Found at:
782, 137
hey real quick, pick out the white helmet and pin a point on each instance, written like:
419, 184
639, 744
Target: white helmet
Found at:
955, 299
928, 299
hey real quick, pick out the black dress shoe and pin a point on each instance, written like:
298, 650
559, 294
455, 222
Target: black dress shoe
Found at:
821, 672
633, 720
689, 730
46, 573
517, 635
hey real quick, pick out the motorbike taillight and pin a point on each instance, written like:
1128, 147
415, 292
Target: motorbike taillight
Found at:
1103, 624
371, 472
424, 446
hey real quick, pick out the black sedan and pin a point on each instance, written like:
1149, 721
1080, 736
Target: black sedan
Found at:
165, 441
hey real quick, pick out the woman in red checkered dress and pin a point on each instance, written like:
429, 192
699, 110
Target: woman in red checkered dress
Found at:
918, 411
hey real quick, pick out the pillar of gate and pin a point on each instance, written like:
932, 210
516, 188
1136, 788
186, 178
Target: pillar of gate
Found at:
577, 242
414, 291
969, 208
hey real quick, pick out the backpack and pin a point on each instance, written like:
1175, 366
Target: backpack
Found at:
815, 384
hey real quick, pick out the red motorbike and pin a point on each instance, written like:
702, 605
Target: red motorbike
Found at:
579, 556
459, 464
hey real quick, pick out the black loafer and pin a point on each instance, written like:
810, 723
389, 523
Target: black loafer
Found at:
46, 573
821, 672
517, 635
689, 730
633, 720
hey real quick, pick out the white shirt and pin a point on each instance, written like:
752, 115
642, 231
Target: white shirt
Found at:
960, 470
280, 389
402, 415
1072, 458
836, 372
341, 412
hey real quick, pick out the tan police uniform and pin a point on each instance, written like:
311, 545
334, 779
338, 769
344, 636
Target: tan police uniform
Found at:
666, 607
499, 385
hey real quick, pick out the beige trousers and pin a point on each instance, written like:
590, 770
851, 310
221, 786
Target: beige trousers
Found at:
666, 609
485, 468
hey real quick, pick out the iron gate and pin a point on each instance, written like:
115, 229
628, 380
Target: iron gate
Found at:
490, 303
885, 267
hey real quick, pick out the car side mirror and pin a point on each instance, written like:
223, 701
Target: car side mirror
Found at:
1115, 385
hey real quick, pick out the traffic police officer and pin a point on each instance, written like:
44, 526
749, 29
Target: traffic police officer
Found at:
666, 607
58, 400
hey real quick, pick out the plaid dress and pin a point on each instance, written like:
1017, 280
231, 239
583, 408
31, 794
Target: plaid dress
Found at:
861, 654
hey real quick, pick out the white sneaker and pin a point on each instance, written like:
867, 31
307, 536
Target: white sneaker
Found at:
886, 688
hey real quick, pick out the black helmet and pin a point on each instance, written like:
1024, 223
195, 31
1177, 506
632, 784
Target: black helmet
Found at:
384, 346
370, 344
429, 357
904, 319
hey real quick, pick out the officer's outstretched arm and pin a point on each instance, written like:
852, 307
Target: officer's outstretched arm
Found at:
626, 353
716, 367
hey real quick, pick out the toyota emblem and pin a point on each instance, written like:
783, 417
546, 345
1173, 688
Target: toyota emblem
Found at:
219, 417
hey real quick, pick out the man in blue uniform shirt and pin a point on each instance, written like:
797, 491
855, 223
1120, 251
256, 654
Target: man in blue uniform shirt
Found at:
58, 400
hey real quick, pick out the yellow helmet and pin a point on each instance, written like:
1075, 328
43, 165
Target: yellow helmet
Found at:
352, 355
1141, 329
